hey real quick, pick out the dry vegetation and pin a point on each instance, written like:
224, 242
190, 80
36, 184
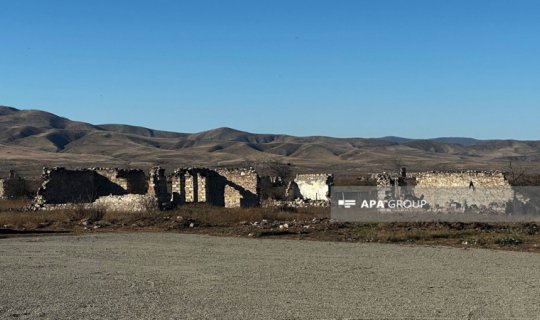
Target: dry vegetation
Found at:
201, 215
305, 224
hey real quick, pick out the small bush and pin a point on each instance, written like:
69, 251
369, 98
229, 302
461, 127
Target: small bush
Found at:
96, 214
80, 212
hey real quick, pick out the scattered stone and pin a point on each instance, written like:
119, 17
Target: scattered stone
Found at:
127, 203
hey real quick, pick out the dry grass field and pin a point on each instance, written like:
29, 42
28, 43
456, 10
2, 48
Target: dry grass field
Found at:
300, 224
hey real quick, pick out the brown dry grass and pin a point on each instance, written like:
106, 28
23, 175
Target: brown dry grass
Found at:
15, 204
203, 214
236, 222
220, 216
32, 220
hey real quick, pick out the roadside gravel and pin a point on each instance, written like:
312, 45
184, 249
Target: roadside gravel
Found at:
179, 276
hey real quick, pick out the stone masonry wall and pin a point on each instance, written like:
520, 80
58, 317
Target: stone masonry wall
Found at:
461, 179
12, 187
190, 182
63, 185
157, 184
68, 186
220, 187
132, 181
191, 185
463, 191
314, 186
242, 188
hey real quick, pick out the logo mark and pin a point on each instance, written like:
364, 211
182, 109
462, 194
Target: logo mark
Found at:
347, 204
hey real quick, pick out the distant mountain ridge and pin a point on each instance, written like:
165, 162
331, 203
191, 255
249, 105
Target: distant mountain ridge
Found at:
30, 139
453, 140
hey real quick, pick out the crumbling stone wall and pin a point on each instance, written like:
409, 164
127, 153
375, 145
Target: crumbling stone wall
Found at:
131, 181
191, 185
314, 186
452, 191
461, 179
293, 192
63, 185
221, 187
12, 187
127, 203
386, 179
242, 187
295, 204
487, 191
157, 184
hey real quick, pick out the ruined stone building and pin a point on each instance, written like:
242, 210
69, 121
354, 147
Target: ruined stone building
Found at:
466, 190
130, 189
63, 185
132, 181
305, 190
157, 184
117, 188
228, 188
462, 179
220, 187
315, 187
451, 191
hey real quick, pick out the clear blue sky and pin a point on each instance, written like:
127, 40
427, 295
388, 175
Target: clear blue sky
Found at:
342, 68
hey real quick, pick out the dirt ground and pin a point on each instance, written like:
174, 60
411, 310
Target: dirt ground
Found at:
303, 224
177, 276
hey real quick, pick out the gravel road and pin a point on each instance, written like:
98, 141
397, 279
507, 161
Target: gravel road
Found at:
175, 276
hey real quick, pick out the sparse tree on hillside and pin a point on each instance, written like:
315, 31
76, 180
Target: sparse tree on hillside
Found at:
516, 174
279, 169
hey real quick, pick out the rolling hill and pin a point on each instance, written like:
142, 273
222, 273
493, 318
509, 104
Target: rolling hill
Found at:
31, 139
